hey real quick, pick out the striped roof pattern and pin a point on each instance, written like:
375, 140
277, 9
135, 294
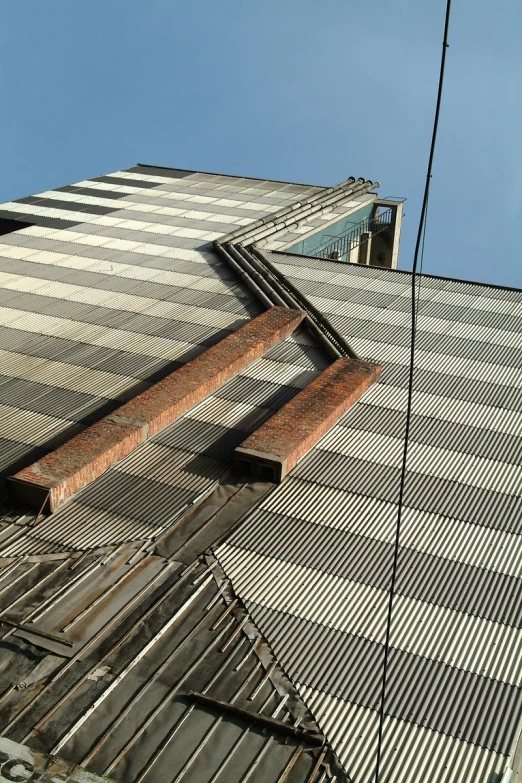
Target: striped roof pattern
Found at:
313, 562
95, 311
114, 285
116, 282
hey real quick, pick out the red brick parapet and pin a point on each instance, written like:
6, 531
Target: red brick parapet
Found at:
87, 455
283, 440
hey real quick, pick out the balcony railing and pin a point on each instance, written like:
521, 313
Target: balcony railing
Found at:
340, 246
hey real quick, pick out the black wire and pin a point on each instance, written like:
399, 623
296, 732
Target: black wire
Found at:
421, 266
410, 396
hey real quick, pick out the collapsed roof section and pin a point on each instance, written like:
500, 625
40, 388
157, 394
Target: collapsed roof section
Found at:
140, 668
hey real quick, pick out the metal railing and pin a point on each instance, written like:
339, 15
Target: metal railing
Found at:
340, 246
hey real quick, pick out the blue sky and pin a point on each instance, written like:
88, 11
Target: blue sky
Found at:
297, 90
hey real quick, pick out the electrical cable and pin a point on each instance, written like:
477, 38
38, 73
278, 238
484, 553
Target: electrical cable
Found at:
395, 559
421, 266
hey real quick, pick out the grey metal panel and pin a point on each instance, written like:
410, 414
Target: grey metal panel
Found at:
115, 180
351, 327
13, 453
48, 400
430, 493
300, 355
419, 753
436, 432
79, 353
94, 192
172, 220
271, 395
360, 476
69, 205
484, 290
201, 438
160, 171
500, 511
80, 527
110, 317
135, 497
37, 220
415, 684
174, 467
454, 386
446, 311
191, 203
106, 282
421, 576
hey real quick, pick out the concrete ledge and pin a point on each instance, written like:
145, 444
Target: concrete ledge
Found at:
283, 440
79, 461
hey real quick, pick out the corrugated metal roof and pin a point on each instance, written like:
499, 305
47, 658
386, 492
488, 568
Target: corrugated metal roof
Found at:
314, 561
142, 669
90, 312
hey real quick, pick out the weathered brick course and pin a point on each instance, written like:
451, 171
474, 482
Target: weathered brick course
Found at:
279, 444
87, 455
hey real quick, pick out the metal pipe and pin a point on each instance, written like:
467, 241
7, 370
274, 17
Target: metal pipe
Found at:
285, 298
306, 305
285, 210
265, 280
243, 276
259, 280
251, 263
273, 226
305, 213
326, 196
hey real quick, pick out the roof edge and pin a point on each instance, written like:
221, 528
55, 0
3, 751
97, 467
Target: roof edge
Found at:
408, 272
231, 176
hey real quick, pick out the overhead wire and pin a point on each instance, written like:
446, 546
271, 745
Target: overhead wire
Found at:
414, 309
421, 266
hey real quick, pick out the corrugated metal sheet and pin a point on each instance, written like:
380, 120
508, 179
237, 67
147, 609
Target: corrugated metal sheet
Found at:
413, 752
132, 287
143, 635
313, 562
125, 285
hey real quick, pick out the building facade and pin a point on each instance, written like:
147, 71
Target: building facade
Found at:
203, 385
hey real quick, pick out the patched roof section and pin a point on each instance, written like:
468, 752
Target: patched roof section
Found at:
165, 677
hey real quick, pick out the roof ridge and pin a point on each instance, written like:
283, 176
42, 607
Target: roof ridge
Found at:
232, 176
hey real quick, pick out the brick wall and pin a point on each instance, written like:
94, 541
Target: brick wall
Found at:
278, 445
86, 456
